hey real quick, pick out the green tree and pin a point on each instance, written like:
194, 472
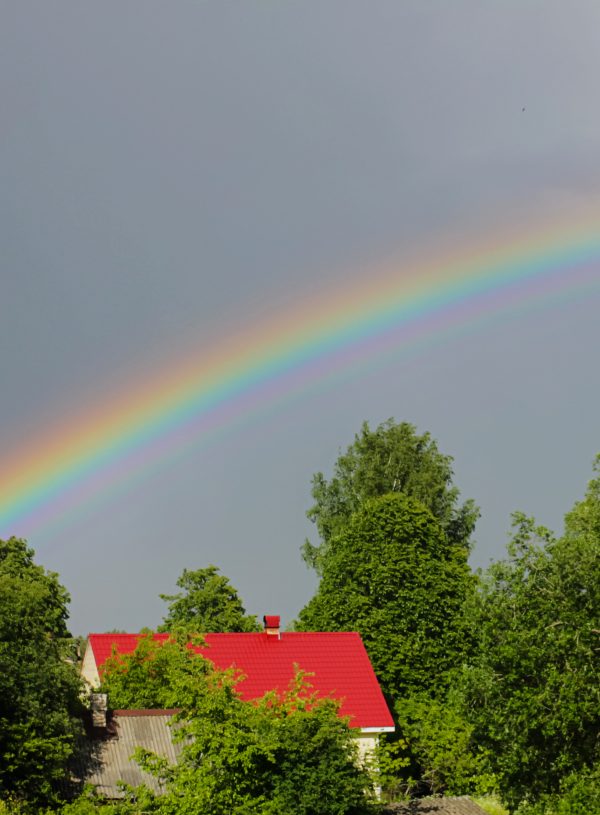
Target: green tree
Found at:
532, 688
207, 604
276, 756
442, 756
393, 575
583, 521
153, 675
391, 458
579, 794
39, 686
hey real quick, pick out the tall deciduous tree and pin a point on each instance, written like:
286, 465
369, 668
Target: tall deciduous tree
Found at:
393, 575
391, 458
39, 687
208, 603
532, 689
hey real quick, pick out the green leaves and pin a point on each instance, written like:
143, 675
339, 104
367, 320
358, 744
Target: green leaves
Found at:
287, 753
207, 604
393, 458
532, 688
157, 674
39, 686
442, 755
393, 576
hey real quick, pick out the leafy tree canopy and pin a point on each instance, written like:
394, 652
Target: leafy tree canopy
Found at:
532, 689
583, 521
155, 675
280, 755
39, 687
208, 603
579, 794
391, 458
393, 575
442, 757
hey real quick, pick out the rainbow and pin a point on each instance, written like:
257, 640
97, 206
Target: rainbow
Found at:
384, 311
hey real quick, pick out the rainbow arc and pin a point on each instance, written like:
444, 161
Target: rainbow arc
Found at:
392, 308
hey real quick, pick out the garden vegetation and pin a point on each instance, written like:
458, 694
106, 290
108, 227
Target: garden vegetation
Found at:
493, 677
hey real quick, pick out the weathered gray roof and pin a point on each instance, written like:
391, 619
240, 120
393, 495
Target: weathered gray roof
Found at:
436, 806
104, 755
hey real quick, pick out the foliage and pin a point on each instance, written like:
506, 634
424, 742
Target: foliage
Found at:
392, 762
579, 794
9, 806
393, 575
583, 521
208, 603
532, 690
278, 755
136, 801
491, 804
443, 756
152, 676
39, 686
391, 458
289, 754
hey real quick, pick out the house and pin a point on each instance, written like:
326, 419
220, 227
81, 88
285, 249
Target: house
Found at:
337, 663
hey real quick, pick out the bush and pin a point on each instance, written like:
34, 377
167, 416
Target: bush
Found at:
442, 757
579, 795
277, 755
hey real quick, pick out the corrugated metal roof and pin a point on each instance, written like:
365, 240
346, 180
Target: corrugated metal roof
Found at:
104, 756
338, 662
436, 806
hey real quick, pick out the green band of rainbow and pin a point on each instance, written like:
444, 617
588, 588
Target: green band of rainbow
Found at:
388, 307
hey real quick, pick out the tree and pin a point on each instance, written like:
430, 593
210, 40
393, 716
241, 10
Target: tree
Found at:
583, 521
208, 603
442, 756
393, 575
278, 755
391, 458
531, 690
153, 675
579, 794
39, 686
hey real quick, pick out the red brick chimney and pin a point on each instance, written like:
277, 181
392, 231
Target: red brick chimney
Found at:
272, 625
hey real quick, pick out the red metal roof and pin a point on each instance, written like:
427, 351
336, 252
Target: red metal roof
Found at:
338, 661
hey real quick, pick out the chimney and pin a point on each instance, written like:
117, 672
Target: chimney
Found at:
272, 628
99, 705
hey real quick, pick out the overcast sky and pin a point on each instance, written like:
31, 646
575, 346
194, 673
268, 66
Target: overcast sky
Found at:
167, 169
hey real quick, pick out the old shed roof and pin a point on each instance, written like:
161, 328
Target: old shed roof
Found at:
104, 755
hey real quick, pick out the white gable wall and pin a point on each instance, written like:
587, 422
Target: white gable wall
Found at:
89, 669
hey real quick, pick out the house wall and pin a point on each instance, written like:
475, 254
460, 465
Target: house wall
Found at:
367, 754
367, 744
89, 671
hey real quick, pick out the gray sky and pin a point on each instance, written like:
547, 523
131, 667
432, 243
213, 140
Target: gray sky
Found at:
167, 169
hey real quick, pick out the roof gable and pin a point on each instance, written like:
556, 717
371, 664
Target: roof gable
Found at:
337, 664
